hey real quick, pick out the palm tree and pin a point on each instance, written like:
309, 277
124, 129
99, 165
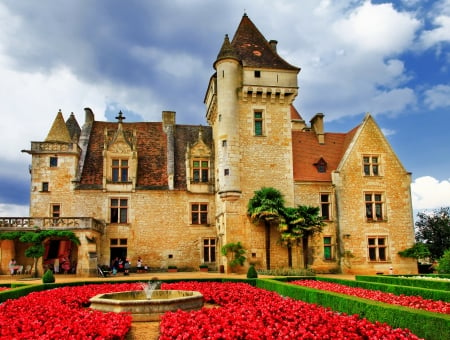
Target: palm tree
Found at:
307, 222
266, 207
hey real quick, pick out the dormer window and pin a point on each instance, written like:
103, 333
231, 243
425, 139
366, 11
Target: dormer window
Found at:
321, 166
119, 170
200, 170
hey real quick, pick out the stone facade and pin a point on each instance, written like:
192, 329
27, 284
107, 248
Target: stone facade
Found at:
175, 194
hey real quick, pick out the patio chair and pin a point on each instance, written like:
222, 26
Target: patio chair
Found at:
27, 269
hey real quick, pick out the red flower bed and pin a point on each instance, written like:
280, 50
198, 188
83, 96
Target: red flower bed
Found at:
247, 312
403, 300
61, 313
3, 288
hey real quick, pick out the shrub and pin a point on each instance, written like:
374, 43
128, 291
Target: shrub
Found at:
252, 273
48, 277
444, 263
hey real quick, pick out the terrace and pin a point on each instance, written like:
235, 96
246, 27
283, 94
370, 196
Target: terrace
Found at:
51, 223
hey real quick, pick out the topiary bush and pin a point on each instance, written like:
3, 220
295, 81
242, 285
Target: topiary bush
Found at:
444, 263
252, 273
48, 277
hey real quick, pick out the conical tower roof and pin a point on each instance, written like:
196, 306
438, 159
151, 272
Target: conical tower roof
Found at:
254, 50
59, 131
226, 51
73, 126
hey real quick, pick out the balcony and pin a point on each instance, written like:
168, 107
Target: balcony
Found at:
51, 223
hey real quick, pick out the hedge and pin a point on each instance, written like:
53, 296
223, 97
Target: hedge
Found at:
431, 294
424, 324
404, 281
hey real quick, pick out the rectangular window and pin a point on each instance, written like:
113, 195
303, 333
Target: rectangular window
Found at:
119, 210
374, 206
258, 119
377, 248
118, 242
199, 213
257, 74
327, 248
56, 210
53, 162
325, 206
209, 250
119, 170
45, 186
371, 165
200, 171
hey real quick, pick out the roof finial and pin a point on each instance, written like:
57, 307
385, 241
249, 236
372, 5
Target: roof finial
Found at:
120, 117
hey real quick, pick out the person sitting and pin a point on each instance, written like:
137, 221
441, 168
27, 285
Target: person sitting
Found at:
13, 266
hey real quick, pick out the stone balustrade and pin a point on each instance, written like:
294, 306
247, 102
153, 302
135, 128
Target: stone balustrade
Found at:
50, 223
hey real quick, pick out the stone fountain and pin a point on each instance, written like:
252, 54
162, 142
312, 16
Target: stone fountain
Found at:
147, 304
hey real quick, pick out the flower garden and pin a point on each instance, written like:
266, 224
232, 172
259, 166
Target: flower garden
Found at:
401, 300
243, 311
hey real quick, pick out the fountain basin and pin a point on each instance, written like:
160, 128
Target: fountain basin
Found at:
144, 309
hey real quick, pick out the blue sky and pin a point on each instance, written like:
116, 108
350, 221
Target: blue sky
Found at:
389, 58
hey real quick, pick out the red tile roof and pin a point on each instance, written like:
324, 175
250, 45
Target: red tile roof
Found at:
307, 151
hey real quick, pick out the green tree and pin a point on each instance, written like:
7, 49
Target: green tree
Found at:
266, 207
238, 252
302, 222
36, 240
444, 263
433, 229
417, 251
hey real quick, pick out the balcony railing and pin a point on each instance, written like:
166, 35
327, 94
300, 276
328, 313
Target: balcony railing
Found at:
50, 223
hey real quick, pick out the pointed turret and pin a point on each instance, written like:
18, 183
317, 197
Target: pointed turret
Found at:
59, 131
254, 50
226, 51
73, 127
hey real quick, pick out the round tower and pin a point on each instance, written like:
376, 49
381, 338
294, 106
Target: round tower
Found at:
228, 73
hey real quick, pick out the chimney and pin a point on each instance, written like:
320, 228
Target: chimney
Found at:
317, 126
168, 118
273, 44
89, 115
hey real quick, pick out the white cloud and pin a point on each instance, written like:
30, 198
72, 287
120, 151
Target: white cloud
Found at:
439, 34
438, 96
430, 193
13, 210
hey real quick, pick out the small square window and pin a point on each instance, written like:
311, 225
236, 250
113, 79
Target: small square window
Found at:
257, 74
53, 162
45, 186
226, 172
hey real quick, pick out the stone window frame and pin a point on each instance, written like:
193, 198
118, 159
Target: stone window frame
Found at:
115, 216
325, 205
375, 206
209, 250
330, 246
120, 170
199, 216
201, 170
258, 122
377, 251
371, 165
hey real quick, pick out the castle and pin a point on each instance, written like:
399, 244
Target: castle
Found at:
175, 194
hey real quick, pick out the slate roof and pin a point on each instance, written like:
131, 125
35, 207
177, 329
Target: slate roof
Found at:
252, 49
307, 151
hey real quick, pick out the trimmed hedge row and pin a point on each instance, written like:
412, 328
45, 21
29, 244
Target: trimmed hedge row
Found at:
424, 324
403, 281
431, 294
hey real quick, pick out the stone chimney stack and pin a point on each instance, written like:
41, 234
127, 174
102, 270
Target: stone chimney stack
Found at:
168, 119
273, 44
317, 127
88, 115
